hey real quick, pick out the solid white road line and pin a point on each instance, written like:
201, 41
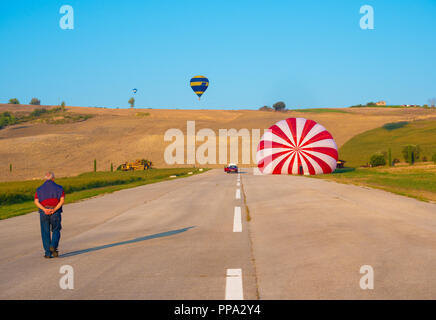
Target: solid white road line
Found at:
238, 193
234, 289
237, 221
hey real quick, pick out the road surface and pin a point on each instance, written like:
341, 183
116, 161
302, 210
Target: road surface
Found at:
190, 238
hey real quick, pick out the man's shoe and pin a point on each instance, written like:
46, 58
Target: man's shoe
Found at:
47, 257
54, 252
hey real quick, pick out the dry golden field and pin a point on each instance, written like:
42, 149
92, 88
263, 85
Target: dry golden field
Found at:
117, 135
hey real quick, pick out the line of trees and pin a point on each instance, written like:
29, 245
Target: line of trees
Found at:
411, 154
431, 104
34, 101
278, 106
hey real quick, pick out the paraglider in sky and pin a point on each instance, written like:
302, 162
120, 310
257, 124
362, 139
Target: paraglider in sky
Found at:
297, 146
135, 90
199, 84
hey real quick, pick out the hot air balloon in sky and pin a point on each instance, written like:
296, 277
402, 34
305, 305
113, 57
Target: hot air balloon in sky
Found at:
297, 146
199, 84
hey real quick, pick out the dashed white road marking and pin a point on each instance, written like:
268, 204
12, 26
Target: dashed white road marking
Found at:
237, 221
238, 193
238, 184
234, 289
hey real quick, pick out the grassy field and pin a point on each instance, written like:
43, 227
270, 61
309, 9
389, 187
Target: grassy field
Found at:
417, 181
358, 150
16, 197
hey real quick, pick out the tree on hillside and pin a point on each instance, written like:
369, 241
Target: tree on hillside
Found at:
14, 101
6, 118
132, 102
279, 106
265, 108
35, 101
411, 153
63, 105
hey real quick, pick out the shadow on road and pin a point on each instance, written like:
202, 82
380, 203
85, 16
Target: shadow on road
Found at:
153, 236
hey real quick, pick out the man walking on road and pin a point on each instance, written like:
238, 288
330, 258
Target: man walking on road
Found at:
49, 198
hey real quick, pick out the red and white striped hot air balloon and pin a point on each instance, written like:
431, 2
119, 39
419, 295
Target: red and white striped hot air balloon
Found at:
297, 146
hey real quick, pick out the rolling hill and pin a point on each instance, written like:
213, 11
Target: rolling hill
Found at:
117, 135
358, 150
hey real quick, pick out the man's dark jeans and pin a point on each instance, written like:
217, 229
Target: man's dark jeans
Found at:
53, 221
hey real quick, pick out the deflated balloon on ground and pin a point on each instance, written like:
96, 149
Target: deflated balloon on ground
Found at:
297, 146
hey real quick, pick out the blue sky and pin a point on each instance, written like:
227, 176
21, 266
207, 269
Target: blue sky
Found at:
306, 53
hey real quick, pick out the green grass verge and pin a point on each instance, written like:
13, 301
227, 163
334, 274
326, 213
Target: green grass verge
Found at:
412, 181
16, 197
358, 150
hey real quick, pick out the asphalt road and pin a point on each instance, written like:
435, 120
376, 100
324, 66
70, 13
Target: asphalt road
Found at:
185, 239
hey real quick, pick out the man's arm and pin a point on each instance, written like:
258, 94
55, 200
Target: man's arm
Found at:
60, 204
40, 206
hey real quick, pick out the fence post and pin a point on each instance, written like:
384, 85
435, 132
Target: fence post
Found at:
95, 165
10, 167
112, 167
